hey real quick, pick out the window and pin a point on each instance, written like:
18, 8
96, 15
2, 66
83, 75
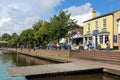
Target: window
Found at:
90, 38
101, 39
104, 23
96, 25
106, 38
88, 26
115, 38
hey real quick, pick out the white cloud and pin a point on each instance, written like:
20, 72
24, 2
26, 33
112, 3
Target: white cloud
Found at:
17, 15
81, 13
4, 20
8, 25
82, 18
80, 10
14, 7
49, 4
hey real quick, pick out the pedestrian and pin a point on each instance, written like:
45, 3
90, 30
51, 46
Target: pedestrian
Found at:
108, 45
89, 45
79, 45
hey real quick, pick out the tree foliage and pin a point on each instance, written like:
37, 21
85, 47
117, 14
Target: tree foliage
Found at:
14, 40
43, 32
27, 38
61, 24
5, 37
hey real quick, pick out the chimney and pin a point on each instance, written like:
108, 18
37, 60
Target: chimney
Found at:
94, 14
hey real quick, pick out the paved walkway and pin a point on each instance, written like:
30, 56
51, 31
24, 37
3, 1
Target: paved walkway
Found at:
100, 56
52, 69
78, 65
110, 61
109, 68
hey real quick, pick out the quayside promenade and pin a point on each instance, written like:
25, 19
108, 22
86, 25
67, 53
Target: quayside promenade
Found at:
78, 61
52, 69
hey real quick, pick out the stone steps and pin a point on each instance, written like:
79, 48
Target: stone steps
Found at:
111, 57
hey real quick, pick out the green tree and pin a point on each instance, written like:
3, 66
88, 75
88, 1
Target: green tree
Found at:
43, 32
61, 24
27, 38
14, 41
43, 36
38, 25
5, 37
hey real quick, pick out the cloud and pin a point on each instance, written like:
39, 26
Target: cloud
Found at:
8, 25
81, 13
49, 4
82, 18
14, 7
17, 15
80, 10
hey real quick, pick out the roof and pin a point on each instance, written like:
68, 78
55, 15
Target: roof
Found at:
111, 13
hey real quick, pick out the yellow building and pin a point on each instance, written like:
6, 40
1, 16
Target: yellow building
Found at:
99, 29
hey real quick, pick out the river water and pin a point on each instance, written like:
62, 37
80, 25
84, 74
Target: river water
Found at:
17, 59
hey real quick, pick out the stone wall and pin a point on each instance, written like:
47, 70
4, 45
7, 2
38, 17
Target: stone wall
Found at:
58, 53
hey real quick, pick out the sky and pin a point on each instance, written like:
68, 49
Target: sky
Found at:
18, 15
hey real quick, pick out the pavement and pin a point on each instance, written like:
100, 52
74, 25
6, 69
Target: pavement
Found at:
110, 61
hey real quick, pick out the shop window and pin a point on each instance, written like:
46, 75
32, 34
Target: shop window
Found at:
101, 39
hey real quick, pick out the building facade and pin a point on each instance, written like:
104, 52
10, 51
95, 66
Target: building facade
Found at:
102, 28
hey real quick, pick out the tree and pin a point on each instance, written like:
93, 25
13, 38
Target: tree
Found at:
38, 25
27, 38
14, 41
43, 32
5, 37
43, 36
61, 24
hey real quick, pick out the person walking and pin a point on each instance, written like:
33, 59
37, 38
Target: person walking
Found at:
79, 45
108, 45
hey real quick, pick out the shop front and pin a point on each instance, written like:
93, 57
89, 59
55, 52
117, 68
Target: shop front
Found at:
97, 38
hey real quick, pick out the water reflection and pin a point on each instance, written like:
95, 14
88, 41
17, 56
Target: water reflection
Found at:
110, 77
77, 77
17, 59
